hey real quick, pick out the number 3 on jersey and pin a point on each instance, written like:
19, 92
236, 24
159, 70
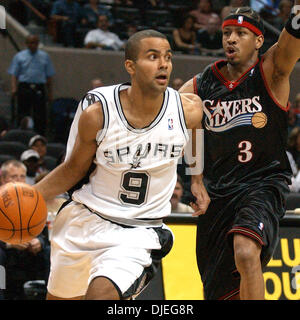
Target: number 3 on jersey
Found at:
134, 188
245, 154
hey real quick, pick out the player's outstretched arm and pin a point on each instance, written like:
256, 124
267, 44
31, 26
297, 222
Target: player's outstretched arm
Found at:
193, 153
281, 58
76, 166
287, 51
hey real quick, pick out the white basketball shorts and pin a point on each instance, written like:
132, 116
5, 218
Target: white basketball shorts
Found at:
85, 246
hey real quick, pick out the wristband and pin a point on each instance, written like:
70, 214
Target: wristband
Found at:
292, 26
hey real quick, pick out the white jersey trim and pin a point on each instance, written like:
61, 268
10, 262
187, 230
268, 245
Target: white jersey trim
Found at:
181, 115
102, 132
123, 118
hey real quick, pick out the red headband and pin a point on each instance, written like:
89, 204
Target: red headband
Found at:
242, 21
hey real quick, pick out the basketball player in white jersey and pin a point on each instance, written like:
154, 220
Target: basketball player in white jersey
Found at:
108, 241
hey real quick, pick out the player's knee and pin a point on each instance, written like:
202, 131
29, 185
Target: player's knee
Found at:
246, 253
102, 288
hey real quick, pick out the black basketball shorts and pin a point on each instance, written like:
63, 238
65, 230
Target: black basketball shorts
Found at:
254, 213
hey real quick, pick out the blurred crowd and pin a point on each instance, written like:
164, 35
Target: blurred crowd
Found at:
193, 27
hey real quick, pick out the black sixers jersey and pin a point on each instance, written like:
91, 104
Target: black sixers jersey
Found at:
245, 130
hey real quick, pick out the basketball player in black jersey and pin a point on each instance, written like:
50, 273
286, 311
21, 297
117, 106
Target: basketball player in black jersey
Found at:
245, 104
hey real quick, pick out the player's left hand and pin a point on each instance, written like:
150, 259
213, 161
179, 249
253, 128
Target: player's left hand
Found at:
202, 200
35, 246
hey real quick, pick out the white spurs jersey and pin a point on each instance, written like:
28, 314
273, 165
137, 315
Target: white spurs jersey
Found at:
135, 173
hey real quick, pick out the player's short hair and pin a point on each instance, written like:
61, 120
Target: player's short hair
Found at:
246, 11
133, 43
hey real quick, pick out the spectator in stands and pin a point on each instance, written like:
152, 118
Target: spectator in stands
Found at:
210, 38
293, 145
202, 13
122, 2
26, 261
153, 4
185, 36
218, 5
44, 7
177, 205
131, 29
293, 120
296, 104
177, 83
232, 4
265, 5
27, 123
285, 7
69, 15
13, 171
39, 144
30, 158
31, 73
102, 38
92, 10
3, 126
96, 83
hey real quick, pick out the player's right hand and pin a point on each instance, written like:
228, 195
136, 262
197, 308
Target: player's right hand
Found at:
202, 200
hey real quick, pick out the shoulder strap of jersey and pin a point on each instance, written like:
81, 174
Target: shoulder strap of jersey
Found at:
92, 97
181, 115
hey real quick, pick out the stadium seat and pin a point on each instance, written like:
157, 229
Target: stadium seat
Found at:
178, 5
5, 157
168, 31
61, 116
12, 148
50, 162
55, 149
126, 15
156, 18
19, 135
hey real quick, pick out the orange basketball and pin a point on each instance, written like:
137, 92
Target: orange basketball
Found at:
23, 212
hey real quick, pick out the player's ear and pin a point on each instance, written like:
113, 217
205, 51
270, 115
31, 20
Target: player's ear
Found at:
259, 41
129, 66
